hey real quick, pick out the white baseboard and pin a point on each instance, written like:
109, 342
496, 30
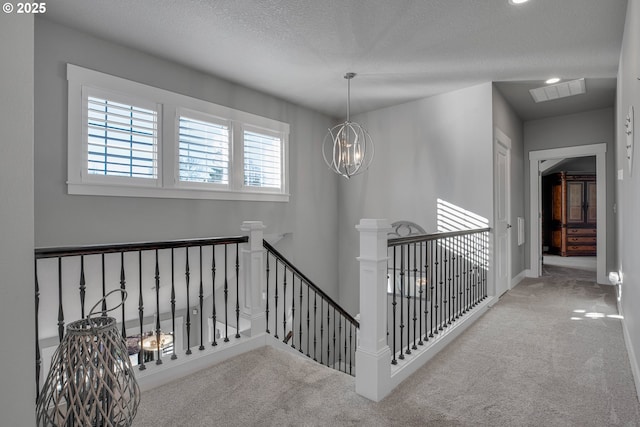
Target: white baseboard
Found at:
633, 360
157, 375
529, 273
519, 278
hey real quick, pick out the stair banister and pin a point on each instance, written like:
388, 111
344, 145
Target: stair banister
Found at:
373, 356
254, 279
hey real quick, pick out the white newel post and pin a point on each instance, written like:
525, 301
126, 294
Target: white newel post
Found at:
254, 277
373, 356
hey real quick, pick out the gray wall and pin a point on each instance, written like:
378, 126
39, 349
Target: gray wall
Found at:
17, 377
505, 119
591, 127
62, 219
629, 187
437, 147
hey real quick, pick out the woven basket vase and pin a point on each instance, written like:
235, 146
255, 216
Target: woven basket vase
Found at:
91, 381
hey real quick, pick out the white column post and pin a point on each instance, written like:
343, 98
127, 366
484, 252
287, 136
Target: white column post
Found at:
373, 356
254, 277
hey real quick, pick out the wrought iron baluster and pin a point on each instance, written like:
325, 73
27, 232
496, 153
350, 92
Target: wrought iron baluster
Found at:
213, 297
158, 331
321, 327
104, 288
300, 320
267, 303
60, 307
477, 271
345, 342
37, 320
291, 335
339, 340
173, 307
328, 332
350, 347
275, 317
432, 278
394, 303
485, 255
308, 321
201, 300
402, 291
445, 283
226, 297
187, 276
123, 288
284, 305
142, 366
421, 292
438, 283
237, 293
315, 323
427, 288
449, 281
415, 297
83, 287
334, 337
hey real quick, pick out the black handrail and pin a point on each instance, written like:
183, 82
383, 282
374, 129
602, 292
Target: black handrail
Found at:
433, 236
64, 251
315, 288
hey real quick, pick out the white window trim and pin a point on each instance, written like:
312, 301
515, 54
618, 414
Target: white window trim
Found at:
167, 184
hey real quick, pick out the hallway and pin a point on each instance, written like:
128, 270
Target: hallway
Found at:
549, 353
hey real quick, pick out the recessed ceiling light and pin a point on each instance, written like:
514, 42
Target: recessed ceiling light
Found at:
517, 1
552, 80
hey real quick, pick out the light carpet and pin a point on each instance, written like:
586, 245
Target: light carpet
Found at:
549, 353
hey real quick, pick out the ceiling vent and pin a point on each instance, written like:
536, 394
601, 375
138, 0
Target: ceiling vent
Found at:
560, 90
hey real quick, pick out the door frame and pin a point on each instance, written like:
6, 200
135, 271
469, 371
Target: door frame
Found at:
535, 157
501, 139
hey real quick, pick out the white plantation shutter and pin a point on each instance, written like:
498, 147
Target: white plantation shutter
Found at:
122, 139
262, 160
203, 151
119, 144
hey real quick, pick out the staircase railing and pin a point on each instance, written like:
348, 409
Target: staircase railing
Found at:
167, 283
305, 317
417, 293
434, 280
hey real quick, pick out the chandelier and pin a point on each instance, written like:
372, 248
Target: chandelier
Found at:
348, 148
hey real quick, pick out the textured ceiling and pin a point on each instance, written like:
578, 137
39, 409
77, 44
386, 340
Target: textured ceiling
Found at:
299, 50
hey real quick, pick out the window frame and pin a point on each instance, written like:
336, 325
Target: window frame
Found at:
169, 106
114, 179
283, 151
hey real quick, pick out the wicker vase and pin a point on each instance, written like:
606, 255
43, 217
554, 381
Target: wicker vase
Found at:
91, 380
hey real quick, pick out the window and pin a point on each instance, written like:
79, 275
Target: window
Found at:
262, 160
203, 151
130, 139
122, 139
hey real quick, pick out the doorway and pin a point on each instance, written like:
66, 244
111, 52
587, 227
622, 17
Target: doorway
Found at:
569, 212
536, 159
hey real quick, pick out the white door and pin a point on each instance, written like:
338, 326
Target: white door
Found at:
502, 214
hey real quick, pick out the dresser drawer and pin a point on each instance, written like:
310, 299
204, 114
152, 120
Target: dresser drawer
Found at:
581, 240
581, 250
581, 231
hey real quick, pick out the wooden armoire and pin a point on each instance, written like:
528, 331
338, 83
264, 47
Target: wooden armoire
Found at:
573, 214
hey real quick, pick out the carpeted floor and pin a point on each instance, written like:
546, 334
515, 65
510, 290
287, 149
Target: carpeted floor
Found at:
549, 353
